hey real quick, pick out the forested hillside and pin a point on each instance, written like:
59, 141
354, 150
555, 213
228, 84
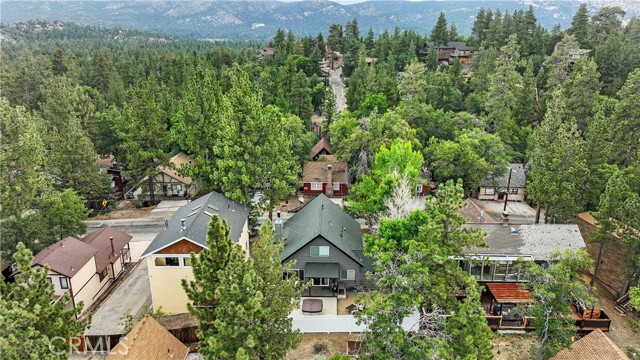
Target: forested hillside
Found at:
71, 92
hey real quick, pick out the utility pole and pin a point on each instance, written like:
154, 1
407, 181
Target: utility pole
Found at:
506, 196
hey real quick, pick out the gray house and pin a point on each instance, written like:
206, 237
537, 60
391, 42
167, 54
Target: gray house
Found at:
326, 245
495, 188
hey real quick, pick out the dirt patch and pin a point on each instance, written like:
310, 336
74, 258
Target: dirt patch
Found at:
131, 213
334, 343
622, 332
513, 346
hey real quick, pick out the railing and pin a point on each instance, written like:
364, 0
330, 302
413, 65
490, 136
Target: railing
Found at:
341, 323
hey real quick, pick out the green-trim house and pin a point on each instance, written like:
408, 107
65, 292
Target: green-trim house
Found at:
326, 245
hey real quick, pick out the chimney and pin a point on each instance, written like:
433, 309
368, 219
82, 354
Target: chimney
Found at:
342, 231
329, 189
277, 224
113, 250
481, 217
183, 227
505, 218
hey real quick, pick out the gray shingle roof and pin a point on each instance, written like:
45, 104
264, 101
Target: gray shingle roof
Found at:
538, 241
197, 214
518, 178
322, 217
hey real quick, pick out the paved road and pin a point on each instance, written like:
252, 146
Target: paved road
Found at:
132, 295
338, 89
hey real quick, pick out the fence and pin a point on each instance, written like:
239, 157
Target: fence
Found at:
105, 343
341, 323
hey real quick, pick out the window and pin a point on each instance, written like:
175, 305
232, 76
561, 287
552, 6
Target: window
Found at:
319, 251
294, 272
419, 188
513, 191
49, 280
64, 283
167, 261
489, 191
347, 274
186, 261
103, 274
336, 186
501, 270
316, 186
320, 281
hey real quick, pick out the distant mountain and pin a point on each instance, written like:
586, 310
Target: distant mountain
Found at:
259, 19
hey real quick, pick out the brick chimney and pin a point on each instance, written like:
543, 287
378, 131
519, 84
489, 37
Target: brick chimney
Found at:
329, 189
505, 218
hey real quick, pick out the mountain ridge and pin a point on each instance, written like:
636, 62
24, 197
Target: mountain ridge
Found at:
258, 19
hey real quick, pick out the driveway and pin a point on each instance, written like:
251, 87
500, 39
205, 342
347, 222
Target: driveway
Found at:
338, 89
132, 295
519, 212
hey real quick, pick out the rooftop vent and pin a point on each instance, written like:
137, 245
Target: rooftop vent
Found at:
196, 208
183, 227
208, 213
514, 231
212, 207
191, 214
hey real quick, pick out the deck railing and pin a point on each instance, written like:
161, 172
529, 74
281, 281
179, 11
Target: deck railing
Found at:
341, 323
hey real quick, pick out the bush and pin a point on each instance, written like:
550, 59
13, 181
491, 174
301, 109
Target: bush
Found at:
338, 356
320, 347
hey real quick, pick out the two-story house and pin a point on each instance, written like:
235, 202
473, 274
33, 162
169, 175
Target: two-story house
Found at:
326, 245
325, 176
85, 268
168, 256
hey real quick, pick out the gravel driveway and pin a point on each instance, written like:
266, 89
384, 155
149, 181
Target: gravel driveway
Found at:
338, 89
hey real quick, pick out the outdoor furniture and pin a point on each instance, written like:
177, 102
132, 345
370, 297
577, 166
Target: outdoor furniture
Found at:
311, 305
351, 309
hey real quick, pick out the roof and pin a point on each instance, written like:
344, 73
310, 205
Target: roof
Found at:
370, 60
474, 214
465, 47
538, 241
317, 171
197, 215
66, 257
320, 145
149, 340
105, 161
588, 218
510, 293
595, 346
518, 178
322, 217
100, 240
177, 162
449, 45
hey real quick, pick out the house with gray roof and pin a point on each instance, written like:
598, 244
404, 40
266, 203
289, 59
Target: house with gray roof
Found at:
326, 245
508, 246
169, 254
495, 188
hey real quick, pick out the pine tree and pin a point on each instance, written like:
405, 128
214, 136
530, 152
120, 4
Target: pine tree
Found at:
580, 26
581, 91
414, 269
277, 296
21, 160
627, 121
505, 85
144, 136
556, 66
300, 97
439, 33
71, 156
225, 296
558, 165
36, 327
554, 287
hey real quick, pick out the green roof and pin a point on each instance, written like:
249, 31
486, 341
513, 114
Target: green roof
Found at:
322, 217
323, 270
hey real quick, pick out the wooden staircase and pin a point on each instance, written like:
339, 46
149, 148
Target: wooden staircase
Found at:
623, 304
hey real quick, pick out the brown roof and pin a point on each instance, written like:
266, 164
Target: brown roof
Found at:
595, 346
100, 241
320, 145
510, 293
474, 214
177, 161
316, 171
370, 60
66, 257
149, 340
105, 161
